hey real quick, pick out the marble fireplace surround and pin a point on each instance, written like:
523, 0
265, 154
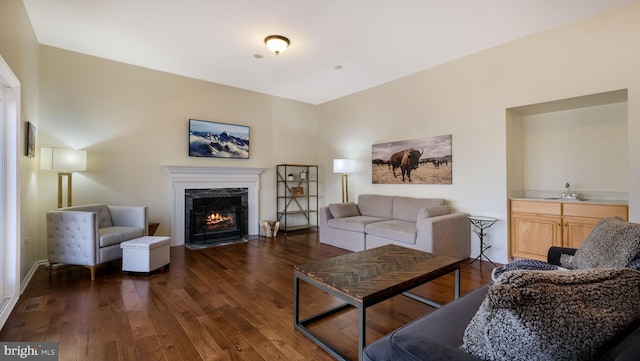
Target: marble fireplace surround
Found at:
194, 177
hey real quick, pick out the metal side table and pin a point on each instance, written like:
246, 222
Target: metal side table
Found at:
480, 224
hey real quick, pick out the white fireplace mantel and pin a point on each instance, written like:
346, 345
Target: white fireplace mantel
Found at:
193, 177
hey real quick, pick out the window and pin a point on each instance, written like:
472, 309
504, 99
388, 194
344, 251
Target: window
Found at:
10, 191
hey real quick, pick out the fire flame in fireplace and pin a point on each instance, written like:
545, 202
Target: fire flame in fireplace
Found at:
218, 219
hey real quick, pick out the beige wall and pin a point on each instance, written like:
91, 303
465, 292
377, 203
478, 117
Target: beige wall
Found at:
133, 121
586, 147
19, 48
468, 98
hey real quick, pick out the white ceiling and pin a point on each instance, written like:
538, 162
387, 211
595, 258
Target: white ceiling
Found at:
375, 41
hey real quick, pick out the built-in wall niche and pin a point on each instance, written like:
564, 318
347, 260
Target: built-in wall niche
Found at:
582, 141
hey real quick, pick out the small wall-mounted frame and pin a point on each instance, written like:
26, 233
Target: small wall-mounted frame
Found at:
30, 140
218, 140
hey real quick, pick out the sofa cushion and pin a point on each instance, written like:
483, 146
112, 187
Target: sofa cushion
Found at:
612, 242
553, 315
375, 205
110, 236
400, 231
429, 212
340, 210
353, 224
407, 208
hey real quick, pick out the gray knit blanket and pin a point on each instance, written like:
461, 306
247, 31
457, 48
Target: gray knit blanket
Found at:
553, 315
523, 264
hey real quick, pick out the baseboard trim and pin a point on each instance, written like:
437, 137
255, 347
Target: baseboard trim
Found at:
32, 271
7, 304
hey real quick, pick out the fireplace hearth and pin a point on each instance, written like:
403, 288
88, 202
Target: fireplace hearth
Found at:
215, 215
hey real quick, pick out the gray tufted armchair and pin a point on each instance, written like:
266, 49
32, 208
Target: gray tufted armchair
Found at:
91, 235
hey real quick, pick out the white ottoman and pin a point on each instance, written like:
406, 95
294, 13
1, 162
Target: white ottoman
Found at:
145, 254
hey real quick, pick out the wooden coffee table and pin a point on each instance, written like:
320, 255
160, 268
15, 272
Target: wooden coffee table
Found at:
362, 279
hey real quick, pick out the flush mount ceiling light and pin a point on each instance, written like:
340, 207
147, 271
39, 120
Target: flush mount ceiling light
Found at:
276, 43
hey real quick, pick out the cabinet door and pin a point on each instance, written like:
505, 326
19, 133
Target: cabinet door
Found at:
532, 235
576, 230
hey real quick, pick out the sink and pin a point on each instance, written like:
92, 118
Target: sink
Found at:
567, 199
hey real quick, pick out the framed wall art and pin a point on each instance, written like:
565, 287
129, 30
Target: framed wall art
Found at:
417, 161
30, 140
218, 140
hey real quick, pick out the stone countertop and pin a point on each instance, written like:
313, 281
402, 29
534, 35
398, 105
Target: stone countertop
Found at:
586, 201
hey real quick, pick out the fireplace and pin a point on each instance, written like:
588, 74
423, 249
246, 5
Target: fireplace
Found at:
184, 178
215, 215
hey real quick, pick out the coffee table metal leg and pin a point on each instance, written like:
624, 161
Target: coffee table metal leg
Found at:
296, 300
300, 325
457, 284
456, 292
362, 334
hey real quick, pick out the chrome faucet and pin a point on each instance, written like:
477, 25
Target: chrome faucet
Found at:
568, 189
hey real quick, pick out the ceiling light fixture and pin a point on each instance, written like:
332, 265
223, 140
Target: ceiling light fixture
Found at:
276, 43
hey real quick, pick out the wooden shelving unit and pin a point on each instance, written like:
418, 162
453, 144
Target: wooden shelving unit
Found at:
297, 196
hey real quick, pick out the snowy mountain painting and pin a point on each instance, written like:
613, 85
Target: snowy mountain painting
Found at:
218, 140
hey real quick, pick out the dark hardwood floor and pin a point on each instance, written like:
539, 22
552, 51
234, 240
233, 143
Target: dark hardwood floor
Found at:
232, 302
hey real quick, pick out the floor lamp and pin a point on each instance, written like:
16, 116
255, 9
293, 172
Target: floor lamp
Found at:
344, 166
65, 161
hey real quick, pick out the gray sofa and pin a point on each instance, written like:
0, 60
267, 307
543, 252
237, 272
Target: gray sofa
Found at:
438, 335
427, 224
90, 235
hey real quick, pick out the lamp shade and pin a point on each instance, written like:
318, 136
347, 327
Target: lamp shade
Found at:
344, 166
63, 159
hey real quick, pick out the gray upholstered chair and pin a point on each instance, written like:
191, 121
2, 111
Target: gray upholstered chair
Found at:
91, 235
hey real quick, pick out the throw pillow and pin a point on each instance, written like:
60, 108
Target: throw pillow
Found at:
553, 315
611, 243
407, 208
340, 210
429, 212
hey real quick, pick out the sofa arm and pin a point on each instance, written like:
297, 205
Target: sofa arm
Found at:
324, 215
72, 237
128, 216
446, 235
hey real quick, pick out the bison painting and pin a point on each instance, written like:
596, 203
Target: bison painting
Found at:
420, 161
407, 160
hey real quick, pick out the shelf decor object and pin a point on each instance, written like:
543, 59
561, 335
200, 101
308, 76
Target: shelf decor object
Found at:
297, 198
65, 161
344, 166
